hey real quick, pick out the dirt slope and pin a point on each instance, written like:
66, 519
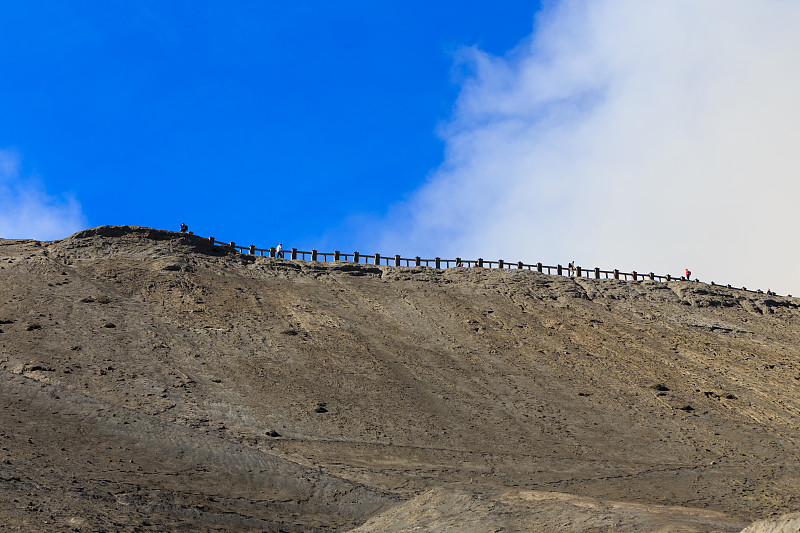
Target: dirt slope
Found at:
151, 381
473, 509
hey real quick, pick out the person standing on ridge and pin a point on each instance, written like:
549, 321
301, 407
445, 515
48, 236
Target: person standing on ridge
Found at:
184, 227
279, 250
688, 275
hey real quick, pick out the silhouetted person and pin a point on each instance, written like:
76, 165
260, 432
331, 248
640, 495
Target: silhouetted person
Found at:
184, 228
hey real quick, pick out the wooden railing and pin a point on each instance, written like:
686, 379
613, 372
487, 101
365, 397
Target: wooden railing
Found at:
397, 261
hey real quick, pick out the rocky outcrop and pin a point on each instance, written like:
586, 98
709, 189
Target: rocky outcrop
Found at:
789, 523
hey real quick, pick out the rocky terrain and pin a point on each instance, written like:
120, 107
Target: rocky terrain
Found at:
150, 381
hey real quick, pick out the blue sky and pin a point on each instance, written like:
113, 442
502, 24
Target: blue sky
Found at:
649, 136
251, 121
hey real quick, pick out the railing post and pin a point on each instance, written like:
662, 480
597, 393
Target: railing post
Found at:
377, 259
232, 245
355, 257
211, 240
417, 261
336, 255
578, 271
252, 249
397, 260
272, 251
500, 264
538, 267
652, 276
669, 278
437, 263
519, 265
616, 274
596, 272
313, 255
480, 262
294, 254
559, 270
634, 275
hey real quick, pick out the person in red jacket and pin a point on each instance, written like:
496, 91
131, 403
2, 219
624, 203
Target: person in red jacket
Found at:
688, 274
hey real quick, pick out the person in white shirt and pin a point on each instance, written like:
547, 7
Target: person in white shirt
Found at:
279, 250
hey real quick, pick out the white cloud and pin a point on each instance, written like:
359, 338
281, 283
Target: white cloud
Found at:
626, 134
27, 211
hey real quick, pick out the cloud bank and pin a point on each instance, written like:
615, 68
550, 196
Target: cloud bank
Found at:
27, 211
649, 136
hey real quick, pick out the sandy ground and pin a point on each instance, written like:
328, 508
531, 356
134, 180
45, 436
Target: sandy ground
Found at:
149, 382
471, 509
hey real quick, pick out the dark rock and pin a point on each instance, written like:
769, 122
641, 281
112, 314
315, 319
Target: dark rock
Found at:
687, 408
660, 387
32, 327
272, 433
109, 325
321, 408
779, 303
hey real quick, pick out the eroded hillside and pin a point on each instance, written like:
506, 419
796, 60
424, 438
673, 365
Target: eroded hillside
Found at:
152, 380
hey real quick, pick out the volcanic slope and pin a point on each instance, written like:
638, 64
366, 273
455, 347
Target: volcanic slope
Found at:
150, 380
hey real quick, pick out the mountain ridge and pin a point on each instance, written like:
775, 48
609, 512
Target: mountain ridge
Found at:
387, 382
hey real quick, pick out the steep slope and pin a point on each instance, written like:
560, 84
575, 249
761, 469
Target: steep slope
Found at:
202, 388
